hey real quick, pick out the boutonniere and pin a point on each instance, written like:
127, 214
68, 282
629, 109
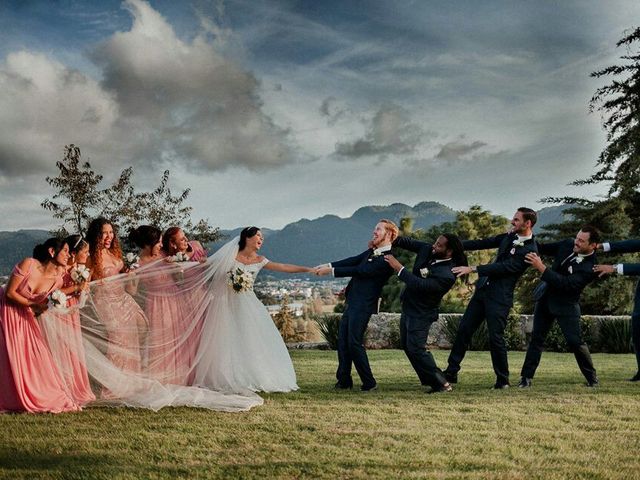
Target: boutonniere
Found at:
376, 253
512, 251
518, 243
578, 259
424, 272
570, 269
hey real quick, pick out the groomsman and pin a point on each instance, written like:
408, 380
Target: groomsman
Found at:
557, 298
627, 246
369, 272
493, 297
430, 279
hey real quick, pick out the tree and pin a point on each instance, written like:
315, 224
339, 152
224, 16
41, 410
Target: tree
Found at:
78, 199
618, 165
78, 184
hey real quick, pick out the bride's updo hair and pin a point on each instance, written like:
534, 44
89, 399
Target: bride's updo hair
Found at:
145, 235
247, 232
41, 252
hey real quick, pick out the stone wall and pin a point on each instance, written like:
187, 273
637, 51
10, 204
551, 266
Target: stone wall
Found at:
383, 329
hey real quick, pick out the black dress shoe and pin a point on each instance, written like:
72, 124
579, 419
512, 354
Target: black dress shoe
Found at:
342, 386
635, 378
501, 386
369, 388
451, 377
442, 389
593, 383
525, 382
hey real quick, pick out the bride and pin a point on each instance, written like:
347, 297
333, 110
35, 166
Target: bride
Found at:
240, 347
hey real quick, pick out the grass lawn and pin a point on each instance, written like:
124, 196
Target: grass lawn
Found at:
557, 429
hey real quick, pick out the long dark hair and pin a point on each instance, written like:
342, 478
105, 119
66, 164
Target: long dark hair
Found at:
458, 257
41, 251
145, 235
94, 232
247, 232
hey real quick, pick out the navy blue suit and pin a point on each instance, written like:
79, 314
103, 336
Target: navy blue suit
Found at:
421, 299
632, 269
368, 275
492, 301
557, 298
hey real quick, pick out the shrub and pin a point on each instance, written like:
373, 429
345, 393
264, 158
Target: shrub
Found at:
328, 325
513, 335
615, 335
555, 341
451, 324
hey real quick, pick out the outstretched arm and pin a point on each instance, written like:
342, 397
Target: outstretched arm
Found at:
624, 246
484, 244
621, 269
410, 244
549, 248
287, 267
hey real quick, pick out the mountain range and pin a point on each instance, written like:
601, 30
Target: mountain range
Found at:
305, 242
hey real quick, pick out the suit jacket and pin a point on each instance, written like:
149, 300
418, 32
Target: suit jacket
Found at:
368, 275
625, 246
498, 279
631, 269
422, 295
562, 284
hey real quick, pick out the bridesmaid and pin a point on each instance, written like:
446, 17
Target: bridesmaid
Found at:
168, 359
193, 294
174, 240
71, 359
29, 379
122, 316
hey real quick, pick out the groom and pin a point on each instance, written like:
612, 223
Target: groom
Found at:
369, 272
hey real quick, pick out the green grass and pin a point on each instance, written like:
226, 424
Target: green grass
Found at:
558, 429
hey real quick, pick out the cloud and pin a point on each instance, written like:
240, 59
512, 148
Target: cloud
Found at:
390, 132
189, 101
458, 150
160, 100
333, 110
43, 105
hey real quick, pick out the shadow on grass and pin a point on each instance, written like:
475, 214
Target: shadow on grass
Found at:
23, 464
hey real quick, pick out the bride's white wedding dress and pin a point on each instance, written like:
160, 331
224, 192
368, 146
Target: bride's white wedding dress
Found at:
240, 347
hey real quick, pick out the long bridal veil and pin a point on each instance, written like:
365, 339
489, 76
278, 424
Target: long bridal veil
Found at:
136, 339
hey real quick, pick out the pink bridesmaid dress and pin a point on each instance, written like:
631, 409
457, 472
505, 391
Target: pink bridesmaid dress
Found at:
197, 251
196, 306
70, 358
168, 359
29, 379
122, 318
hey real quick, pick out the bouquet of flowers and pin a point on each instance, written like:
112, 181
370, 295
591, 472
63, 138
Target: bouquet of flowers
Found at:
180, 257
131, 261
57, 299
80, 274
240, 280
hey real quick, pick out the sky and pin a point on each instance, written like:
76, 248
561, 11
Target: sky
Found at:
272, 111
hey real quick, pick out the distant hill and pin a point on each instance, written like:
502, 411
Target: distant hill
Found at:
14, 246
305, 242
310, 242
